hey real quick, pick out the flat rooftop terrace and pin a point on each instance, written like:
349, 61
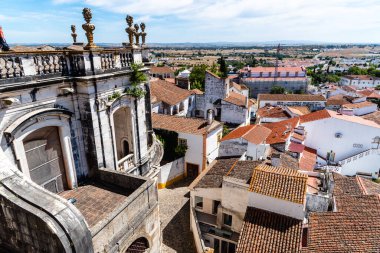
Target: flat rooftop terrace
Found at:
97, 200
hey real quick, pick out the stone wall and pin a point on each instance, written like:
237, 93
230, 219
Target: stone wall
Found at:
35, 220
136, 217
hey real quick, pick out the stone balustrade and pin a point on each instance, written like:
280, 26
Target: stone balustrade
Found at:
31, 65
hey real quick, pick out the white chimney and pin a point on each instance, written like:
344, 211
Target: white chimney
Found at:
210, 116
246, 102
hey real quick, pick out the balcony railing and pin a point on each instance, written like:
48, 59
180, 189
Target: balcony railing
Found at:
30, 65
126, 163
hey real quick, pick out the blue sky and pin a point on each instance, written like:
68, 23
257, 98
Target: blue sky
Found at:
44, 21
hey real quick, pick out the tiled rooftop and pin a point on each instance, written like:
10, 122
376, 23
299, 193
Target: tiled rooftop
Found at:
265, 231
238, 99
167, 92
355, 229
374, 117
346, 185
231, 167
272, 112
308, 159
359, 105
299, 110
368, 186
252, 133
290, 97
161, 70
96, 201
279, 130
277, 182
183, 124
318, 115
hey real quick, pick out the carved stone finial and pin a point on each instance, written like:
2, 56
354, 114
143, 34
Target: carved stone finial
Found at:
137, 34
143, 33
89, 28
130, 30
73, 33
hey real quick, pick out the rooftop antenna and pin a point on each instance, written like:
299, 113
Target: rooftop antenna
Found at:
276, 66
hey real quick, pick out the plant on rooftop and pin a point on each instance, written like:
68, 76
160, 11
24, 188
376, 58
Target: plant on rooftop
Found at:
114, 96
137, 77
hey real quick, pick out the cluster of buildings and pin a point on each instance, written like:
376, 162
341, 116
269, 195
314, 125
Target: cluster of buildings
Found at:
84, 150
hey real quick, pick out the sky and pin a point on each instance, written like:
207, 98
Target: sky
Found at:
173, 21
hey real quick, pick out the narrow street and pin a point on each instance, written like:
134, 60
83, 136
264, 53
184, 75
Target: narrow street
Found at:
175, 218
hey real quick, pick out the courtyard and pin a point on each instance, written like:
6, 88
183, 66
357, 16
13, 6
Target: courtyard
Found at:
174, 204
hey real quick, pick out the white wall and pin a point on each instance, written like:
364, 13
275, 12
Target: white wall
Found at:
367, 162
235, 114
212, 144
235, 201
321, 136
275, 205
194, 153
257, 151
171, 170
365, 110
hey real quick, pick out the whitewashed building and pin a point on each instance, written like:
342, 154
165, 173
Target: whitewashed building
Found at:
349, 143
201, 137
313, 102
360, 81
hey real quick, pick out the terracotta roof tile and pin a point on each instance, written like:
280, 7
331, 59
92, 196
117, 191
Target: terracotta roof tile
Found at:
290, 97
368, 186
183, 124
359, 105
299, 110
231, 167
253, 133
280, 131
272, 69
237, 99
318, 115
239, 87
196, 91
161, 70
264, 231
281, 183
167, 92
374, 117
346, 185
353, 229
298, 136
296, 147
308, 159
337, 100
272, 112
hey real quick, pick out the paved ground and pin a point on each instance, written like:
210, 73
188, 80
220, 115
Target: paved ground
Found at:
175, 219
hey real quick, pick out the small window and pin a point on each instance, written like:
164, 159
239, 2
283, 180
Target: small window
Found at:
198, 202
182, 142
215, 207
227, 219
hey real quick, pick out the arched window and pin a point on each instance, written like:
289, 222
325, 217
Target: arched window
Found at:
138, 246
125, 147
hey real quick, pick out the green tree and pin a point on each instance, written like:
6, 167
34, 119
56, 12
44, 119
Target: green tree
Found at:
277, 90
223, 68
355, 70
197, 77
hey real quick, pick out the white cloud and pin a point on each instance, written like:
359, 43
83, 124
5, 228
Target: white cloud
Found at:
254, 20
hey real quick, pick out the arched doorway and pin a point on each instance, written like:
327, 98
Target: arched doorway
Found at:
122, 121
44, 157
138, 246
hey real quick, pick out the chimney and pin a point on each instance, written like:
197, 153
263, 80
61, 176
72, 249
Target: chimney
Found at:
210, 116
246, 101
